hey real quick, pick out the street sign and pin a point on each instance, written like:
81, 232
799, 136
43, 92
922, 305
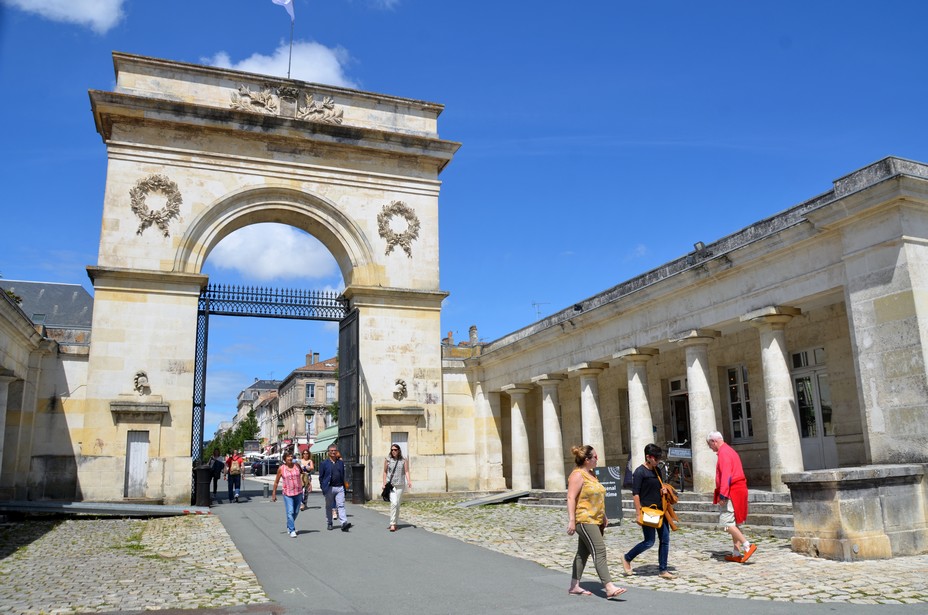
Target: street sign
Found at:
611, 479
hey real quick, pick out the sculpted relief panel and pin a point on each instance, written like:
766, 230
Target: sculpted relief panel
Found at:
268, 100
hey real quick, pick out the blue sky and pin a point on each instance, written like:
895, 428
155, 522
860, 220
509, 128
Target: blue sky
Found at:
600, 139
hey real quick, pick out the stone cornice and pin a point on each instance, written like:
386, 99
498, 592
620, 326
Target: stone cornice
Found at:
122, 60
126, 276
380, 296
111, 107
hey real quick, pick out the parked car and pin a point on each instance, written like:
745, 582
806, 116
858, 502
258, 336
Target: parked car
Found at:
265, 466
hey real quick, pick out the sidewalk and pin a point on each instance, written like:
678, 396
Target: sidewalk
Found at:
240, 560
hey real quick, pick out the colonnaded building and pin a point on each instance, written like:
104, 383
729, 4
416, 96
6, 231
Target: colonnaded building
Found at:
802, 338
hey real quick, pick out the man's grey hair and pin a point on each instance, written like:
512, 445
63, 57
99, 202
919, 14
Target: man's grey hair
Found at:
714, 435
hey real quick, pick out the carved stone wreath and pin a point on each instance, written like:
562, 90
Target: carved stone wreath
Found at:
160, 217
260, 102
393, 239
319, 112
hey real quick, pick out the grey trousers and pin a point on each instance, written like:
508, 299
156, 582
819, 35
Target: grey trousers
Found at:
591, 543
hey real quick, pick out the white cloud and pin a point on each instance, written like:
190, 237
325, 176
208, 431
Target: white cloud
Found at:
274, 251
99, 15
639, 251
311, 62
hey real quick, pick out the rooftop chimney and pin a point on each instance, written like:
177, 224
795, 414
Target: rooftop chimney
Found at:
315, 357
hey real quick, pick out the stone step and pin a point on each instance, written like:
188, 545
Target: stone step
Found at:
770, 513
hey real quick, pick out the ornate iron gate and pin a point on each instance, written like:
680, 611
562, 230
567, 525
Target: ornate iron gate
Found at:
224, 300
349, 420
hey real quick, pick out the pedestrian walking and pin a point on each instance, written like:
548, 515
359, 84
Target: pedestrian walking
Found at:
306, 464
586, 516
217, 464
731, 494
395, 474
235, 464
332, 481
648, 489
290, 473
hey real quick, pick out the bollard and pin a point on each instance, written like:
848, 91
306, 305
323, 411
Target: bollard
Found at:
266, 492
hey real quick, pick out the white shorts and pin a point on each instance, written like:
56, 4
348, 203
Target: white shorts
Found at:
726, 513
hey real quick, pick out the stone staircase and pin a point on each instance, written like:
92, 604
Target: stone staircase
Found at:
771, 514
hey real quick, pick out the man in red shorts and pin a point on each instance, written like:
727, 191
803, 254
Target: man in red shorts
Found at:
731, 494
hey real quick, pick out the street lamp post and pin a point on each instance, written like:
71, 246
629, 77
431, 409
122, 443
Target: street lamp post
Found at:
280, 431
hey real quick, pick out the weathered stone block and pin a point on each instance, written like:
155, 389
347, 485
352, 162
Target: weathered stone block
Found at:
871, 512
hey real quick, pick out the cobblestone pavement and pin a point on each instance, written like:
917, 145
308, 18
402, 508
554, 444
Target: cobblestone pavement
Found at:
696, 557
89, 565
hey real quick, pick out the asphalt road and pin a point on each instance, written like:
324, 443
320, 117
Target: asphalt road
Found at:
371, 570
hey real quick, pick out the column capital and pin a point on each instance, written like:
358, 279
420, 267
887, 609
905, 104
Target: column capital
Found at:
516, 389
639, 354
696, 337
588, 368
548, 379
775, 316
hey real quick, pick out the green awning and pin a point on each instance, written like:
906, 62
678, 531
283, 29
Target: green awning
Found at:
326, 437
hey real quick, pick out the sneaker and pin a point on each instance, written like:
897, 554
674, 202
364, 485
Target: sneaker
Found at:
329, 527
346, 526
236, 499
292, 534
747, 554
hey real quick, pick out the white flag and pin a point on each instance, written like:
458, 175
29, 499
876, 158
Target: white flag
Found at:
287, 4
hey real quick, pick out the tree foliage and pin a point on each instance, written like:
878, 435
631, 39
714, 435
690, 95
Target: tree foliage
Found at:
234, 438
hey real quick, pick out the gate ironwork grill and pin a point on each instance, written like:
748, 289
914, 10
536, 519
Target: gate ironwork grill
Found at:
228, 300
273, 302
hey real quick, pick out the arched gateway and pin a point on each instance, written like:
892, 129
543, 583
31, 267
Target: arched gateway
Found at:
195, 153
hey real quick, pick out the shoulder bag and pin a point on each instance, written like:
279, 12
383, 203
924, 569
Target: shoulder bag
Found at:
388, 488
652, 516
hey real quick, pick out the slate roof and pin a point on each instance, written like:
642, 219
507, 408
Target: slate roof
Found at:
63, 305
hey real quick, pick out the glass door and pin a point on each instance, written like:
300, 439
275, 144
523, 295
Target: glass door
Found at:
814, 414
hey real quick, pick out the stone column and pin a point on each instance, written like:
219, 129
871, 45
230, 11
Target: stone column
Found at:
640, 421
555, 479
702, 407
6, 377
591, 425
489, 444
521, 464
782, 431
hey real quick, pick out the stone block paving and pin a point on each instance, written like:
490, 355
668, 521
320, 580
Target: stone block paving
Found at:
93, 565
775, 572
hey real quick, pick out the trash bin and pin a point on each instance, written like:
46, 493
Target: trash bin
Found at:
357, 484
204, 477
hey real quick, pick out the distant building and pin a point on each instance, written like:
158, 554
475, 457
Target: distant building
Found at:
306, 396
249, 397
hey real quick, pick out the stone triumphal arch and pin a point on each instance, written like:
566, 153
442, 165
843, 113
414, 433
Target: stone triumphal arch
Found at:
195, 153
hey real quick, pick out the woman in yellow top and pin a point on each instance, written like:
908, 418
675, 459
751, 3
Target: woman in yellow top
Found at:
586, 515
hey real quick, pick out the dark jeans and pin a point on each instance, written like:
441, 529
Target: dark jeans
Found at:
215, 484
663, 550
235, 484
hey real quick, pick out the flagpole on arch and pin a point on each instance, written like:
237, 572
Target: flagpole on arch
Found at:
288, 6
290, 58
